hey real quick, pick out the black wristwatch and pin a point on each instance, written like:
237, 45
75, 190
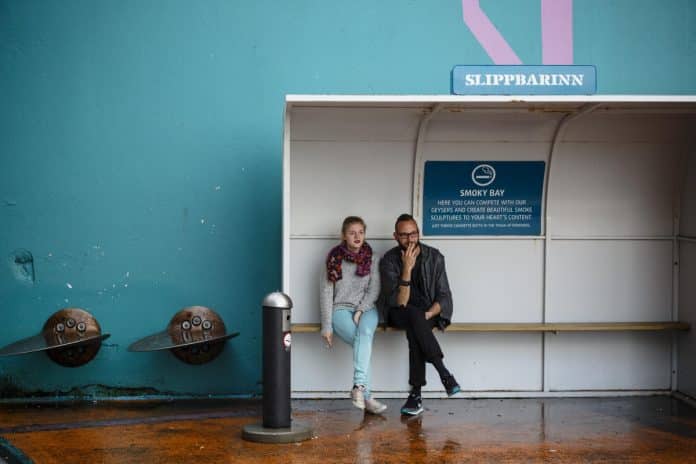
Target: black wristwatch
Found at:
404, 283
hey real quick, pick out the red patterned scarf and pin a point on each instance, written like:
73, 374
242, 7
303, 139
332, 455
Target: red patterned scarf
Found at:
363, 260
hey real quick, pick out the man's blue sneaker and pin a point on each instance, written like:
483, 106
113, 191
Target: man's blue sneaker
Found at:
451, 385
413, 405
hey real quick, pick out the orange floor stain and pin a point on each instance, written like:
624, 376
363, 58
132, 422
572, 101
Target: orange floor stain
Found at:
607, 430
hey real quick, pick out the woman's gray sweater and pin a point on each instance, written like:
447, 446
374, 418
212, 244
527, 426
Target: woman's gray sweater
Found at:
351, 291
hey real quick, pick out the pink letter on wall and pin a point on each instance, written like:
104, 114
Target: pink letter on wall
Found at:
556, 32
487, 35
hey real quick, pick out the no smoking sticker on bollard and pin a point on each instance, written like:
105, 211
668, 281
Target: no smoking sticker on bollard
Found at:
287, 340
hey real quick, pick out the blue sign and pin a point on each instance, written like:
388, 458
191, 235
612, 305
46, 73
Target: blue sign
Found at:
483, 197
524, 80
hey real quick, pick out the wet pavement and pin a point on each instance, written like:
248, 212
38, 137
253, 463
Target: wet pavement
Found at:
569, 430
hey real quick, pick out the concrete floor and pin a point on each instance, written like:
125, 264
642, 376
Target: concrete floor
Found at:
571, 430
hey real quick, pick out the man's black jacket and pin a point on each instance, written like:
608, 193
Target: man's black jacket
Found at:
433, 283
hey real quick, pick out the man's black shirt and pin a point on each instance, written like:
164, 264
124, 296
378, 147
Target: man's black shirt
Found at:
417, 297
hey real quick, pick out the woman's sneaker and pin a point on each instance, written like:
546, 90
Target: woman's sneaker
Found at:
413, 405
451, 385
374, 407
357, 394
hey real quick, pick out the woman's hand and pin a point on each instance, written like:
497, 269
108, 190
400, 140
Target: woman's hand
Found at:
328, 338
356, 317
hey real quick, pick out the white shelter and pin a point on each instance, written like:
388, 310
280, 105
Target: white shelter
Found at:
598, 303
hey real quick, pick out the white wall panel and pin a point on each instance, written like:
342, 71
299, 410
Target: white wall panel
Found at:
498, 362
686, 378
489, 151
477, 126
617, 127
613, 189
609, 361
332, 180
610, 281
354, 124
687, 223
494, 280
501, 362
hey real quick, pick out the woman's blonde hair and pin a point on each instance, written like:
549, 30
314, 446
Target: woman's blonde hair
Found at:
352, 220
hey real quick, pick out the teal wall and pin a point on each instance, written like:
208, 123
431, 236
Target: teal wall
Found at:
140, 150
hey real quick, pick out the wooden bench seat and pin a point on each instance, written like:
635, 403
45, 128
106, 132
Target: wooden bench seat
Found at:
539, 327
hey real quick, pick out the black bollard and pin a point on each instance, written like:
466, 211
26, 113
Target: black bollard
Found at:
276, 360
277, 426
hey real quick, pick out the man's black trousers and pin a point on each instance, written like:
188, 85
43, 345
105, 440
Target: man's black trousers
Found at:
422, 344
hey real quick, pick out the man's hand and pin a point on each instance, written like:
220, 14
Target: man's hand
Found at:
328, 338
408, 261
433, 311
408, 258
356, 317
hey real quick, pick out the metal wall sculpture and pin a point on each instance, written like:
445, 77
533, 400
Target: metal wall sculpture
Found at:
195, 335
71, 337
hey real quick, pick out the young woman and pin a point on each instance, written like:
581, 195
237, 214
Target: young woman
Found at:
348, 290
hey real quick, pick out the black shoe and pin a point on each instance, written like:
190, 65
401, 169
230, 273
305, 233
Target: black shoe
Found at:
413, 405
451, 385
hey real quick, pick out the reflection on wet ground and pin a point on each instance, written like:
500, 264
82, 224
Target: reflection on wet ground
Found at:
569, 430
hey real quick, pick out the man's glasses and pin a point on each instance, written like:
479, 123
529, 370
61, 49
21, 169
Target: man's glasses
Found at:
408, 234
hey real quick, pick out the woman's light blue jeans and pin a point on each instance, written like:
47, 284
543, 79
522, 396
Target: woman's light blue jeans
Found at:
360, 338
